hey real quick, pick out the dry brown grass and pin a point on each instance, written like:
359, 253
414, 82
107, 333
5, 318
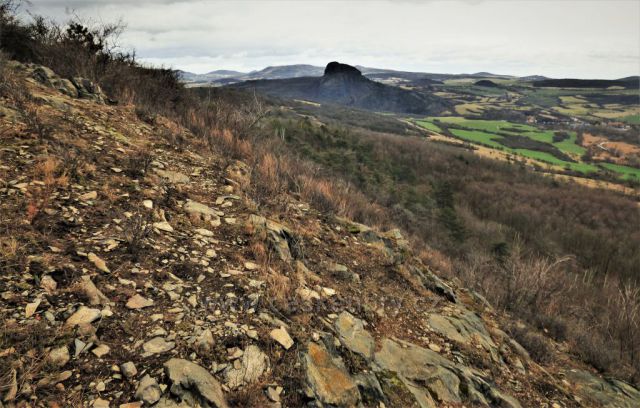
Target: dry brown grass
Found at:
323, 194
280, 289
49, 171
436, 261
12, 256
259, 252
109, 192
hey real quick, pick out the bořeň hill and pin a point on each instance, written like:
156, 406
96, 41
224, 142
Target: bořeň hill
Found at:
345, 85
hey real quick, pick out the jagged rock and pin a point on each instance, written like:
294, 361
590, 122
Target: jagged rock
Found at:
101, 351
328, 379
173, 176
93, 294
273, 394
418, 367
138, 302
203, 213
254, 363
342, 272
307, 294
31, 308
158, 345
129, 369
100, 403
602, 392
193, 207
98, 262
370, 389
148, 390
163, 226
88, 90
353, 335
280, 237
49, 78
465, 327
82, 316
282, 336
205, 342
194, 384
59, 356
80, 347
48, 284
433, 283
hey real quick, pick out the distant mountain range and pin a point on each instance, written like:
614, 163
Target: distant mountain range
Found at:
346, 85
632, 82
224, 77
388, 76
277, 72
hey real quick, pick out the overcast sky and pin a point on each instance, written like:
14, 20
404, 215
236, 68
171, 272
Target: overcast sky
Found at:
557, 38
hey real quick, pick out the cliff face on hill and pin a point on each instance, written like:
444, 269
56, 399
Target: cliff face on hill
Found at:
345, 85
137, 271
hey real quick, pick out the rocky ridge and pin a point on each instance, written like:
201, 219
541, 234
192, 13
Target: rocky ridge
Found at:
137, 272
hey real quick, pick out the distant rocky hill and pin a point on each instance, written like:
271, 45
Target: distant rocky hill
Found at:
486, 83
343, 84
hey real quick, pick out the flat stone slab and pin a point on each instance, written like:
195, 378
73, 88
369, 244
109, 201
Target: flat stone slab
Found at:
353, 335
328, 378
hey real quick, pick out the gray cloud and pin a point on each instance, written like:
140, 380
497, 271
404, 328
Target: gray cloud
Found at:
556, 38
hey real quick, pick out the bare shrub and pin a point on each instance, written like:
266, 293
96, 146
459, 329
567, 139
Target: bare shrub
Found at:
555, 326
627, 319
136, 230
36, 124
593, 349
138, 163
50, 171
145, 115
535, 343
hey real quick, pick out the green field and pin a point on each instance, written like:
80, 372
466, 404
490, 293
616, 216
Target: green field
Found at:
627, 172
486, 125
568, 146
429, 125
478, 137
488, 132
631, 119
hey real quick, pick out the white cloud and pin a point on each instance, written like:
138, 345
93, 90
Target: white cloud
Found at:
559, 38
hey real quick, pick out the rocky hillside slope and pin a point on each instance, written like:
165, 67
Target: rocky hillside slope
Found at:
136, 271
